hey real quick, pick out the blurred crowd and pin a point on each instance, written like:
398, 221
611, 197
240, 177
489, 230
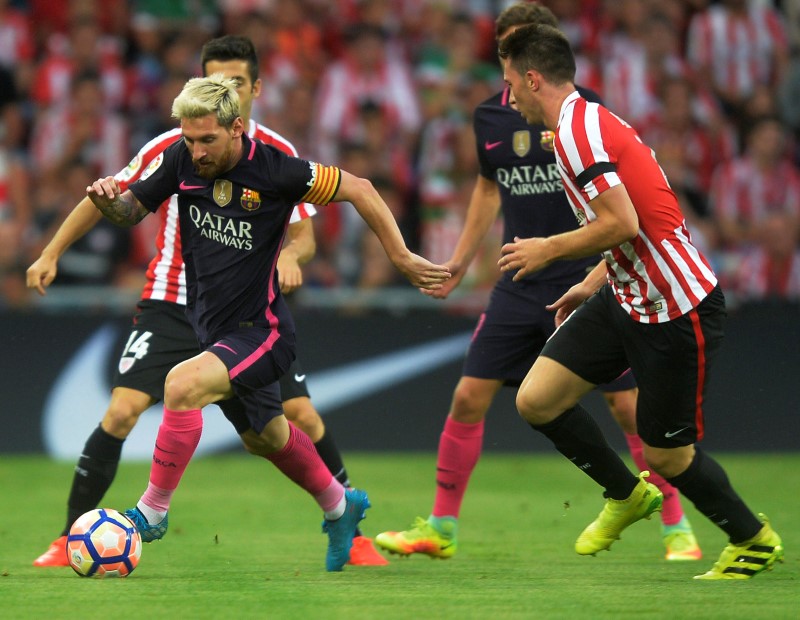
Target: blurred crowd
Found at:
386, 89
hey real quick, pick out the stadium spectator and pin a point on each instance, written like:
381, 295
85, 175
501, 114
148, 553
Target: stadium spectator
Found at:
735, 46
365, 73
770, 270
762, 180
80, 127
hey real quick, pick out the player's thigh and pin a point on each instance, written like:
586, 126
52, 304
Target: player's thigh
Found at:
590, 342
672, 362
300, 411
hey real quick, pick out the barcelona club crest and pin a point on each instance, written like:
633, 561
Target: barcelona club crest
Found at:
546, 139
522, 142
223, 192
251, 200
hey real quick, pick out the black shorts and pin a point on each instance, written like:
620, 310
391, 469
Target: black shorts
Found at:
160, 338
671, 361
293, 382
255, 360
512, 331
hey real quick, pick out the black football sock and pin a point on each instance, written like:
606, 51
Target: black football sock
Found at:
330, 455
94, 473
706, 485
576, 435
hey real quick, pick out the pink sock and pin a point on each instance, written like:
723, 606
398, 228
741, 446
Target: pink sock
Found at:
672, 512
300, 462
177, 439
459, 450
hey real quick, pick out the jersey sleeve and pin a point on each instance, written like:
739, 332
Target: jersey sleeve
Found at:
157, 182
581, 145
484, 167
305, 181
140, 162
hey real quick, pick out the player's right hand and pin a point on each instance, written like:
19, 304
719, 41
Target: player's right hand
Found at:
41, 274
569, 302
422, 273
103, 190
456, 275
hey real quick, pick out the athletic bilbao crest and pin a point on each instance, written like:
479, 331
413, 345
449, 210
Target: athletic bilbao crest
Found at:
522, 142
251, 200
223, 192
546, 139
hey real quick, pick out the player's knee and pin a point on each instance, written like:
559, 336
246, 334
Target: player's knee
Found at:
532, 407
301, 413
669, 462
180, 391
470, 403
120, 417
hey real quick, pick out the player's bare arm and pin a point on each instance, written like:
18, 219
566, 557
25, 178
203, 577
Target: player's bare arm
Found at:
371, 207
616, 223
80, 220
299, 247
482, 211
122, 209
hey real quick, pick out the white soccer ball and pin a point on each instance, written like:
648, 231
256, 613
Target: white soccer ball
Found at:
103, 543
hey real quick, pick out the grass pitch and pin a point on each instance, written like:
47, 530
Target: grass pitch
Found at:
246, 543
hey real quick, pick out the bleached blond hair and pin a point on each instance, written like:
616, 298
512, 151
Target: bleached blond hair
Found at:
214, 94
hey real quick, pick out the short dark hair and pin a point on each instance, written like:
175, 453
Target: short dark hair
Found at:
542, 48
231, 47
523, 14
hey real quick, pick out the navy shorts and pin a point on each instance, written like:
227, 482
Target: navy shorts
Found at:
256, 357
671, 360
512, 332
160, 338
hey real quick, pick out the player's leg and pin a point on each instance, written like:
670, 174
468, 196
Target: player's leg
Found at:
679, 357
676, 531
189, 387
548, 400
159, 339
459, 450
300, 411
97, 465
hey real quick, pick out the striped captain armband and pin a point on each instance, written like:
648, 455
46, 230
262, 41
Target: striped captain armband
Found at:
324, 184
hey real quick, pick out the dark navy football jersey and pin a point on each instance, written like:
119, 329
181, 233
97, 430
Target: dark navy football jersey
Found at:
232, 228
519, 158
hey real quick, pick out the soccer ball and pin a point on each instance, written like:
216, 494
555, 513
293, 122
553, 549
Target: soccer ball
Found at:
103, 543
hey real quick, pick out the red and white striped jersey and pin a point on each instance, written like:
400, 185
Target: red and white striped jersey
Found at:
166, 277
739, 50
659, 275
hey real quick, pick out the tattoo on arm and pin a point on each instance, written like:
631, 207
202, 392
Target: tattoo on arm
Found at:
124, 210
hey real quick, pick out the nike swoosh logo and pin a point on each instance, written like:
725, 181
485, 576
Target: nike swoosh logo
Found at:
82, 389
491, 145
668, 435
184, 187
299, 378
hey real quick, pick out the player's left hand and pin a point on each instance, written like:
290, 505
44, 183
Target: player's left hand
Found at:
290, 275
422, 273
525, 255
